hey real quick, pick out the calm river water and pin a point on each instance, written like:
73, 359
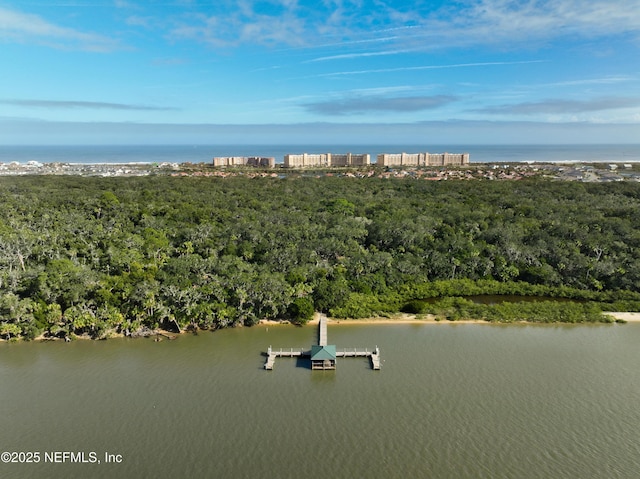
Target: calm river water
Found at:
452, 401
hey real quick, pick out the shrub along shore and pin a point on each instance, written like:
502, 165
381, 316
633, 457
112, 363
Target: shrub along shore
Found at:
105, 256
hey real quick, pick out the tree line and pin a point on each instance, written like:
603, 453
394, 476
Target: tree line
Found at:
85, 255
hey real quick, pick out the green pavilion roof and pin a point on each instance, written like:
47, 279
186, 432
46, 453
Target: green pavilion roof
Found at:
320, 353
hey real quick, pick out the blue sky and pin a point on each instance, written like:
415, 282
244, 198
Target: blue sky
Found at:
373, 71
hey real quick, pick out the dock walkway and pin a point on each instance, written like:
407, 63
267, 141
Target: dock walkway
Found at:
322, 331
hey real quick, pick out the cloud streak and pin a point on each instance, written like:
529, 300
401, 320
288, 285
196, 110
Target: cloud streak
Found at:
93, 105
27, 28
558, 106
350, 56
426, 67
374, 103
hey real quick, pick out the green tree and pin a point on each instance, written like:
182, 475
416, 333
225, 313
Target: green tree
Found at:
300, 311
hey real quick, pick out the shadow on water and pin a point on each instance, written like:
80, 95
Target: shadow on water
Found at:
304, 363
300, 362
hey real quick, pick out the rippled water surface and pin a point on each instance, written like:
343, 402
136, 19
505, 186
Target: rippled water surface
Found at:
458, 401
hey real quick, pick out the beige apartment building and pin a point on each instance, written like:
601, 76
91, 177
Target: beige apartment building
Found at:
257, 161
325, 160
423, 159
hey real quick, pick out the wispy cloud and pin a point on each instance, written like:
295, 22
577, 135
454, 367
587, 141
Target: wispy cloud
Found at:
514, 23
378, 103
140, 21
558, 106
169, 62
400, 26
350, 56
387, 90
244, 22
408, 25
427, 67
610, 80
93, 105
21, 27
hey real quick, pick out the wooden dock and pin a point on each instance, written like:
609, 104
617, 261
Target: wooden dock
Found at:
375, 359
355, 353
271, 359
282, 353
272, 354
322, 331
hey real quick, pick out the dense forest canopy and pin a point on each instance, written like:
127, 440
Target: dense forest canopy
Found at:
94, 255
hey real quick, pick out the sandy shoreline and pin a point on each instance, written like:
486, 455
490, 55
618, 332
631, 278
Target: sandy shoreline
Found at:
161, 335
629, 317
403, 319
430, 319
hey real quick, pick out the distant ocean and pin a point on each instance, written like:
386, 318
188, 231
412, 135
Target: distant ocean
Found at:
205, 153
